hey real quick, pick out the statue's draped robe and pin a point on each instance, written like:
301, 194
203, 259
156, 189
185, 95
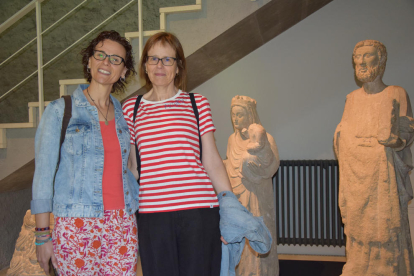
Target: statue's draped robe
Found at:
24, 261
374, 187
257, 197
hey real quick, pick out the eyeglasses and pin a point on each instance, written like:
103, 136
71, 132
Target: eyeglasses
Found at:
114, 59
166, 61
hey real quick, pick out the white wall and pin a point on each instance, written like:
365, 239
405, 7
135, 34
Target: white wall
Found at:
300, 79
195, 29
19, 151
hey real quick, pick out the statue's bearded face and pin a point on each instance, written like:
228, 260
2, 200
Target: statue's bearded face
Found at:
367, 63
239, 117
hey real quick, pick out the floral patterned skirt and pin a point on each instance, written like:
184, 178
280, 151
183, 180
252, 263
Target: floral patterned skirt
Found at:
96, 246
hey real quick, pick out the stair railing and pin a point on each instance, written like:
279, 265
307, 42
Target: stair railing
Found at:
36, 4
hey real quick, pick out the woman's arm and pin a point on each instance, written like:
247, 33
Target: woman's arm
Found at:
132, 162
47, 145
213, 164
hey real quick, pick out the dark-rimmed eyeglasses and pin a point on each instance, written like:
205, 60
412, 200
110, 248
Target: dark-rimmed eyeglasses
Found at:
114, 59
166, 61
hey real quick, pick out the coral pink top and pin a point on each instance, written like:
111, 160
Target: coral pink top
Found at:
112, 189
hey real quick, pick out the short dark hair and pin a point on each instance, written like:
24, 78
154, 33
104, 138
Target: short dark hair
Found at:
129, 59
165, 38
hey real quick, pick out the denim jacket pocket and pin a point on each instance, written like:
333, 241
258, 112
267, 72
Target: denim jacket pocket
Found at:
78, 138
125, 135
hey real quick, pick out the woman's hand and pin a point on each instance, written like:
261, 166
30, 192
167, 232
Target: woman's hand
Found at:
223, 240
44, 253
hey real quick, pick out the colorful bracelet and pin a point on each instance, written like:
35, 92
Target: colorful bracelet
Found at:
41, 233
40, 239
42, 229
44, 236
43, 242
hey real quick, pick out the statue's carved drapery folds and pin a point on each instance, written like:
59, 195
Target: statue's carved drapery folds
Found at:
252, 160
24, 261
372, 146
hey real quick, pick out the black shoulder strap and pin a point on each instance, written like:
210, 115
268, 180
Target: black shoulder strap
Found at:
66, 118
195, 109
65, 122
137, 102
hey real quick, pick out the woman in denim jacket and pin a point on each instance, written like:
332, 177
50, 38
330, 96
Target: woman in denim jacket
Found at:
93, 195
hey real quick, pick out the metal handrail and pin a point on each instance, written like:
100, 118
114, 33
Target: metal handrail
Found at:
40, 58
22, 12
66, 50
44, 32
94, 29
141, 30
40, 66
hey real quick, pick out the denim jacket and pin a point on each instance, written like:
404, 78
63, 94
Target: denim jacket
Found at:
236, 224
78, 185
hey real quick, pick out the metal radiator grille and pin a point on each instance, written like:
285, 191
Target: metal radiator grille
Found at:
306, 201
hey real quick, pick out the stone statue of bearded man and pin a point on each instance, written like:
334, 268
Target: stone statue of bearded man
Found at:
372, 146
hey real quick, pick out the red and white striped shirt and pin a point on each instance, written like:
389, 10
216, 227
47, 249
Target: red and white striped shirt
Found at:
172, 176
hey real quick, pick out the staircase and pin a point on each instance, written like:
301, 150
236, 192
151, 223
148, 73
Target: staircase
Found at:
33, 107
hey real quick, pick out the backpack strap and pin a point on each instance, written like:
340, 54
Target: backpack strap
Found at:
195, 109
194, 105
66, 118
137, 102
65, 122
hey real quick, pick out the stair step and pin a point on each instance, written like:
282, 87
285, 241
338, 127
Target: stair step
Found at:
3, 138
64, 83
163, 13
188, 8
73, 81
36, 104
130, 35
17, 125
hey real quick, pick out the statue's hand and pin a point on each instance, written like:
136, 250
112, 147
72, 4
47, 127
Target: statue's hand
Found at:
388, 124
406, 124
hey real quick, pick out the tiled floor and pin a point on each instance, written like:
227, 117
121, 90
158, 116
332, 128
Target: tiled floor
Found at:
302, 268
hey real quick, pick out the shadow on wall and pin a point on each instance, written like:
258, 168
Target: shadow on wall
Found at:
13, 207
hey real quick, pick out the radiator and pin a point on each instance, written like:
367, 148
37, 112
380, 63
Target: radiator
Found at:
306, 203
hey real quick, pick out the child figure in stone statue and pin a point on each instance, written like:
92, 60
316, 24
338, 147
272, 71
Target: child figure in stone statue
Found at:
258, 153
372, 145
258, 139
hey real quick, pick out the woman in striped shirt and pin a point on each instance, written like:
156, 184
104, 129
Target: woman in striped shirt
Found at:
178, 225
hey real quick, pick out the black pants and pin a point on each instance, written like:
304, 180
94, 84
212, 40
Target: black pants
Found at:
180, 243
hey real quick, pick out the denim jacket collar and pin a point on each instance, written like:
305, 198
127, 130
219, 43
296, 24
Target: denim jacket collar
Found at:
81, 101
